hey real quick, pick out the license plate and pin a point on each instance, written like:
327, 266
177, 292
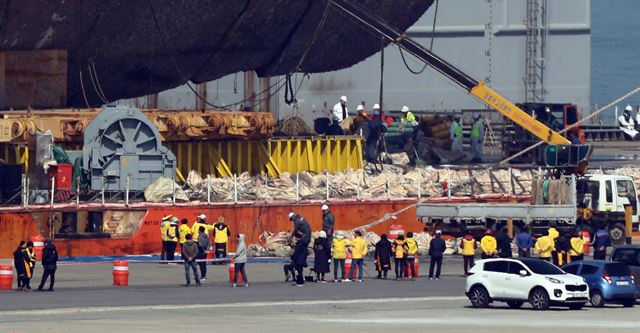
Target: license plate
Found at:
622, 283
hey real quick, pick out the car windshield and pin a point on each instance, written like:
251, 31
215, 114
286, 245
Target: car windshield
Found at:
617, 269
543, 267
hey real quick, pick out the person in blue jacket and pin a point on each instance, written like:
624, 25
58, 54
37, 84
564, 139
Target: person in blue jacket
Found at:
524, 241
601, 241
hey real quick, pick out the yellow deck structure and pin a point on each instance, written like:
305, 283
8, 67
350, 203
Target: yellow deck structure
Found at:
219, 144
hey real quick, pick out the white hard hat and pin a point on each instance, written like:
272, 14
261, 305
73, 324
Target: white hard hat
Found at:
325, 207
405, 109
322, 234
438, 232
343, 98
202, 216
376, 106
291, 214
628, 108
360, 107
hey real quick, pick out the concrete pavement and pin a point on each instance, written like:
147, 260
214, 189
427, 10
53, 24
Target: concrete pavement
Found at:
84, 300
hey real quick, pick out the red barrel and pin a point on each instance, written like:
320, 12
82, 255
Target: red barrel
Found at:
38, 245
232, 270
6, 277
587, 242
120, 273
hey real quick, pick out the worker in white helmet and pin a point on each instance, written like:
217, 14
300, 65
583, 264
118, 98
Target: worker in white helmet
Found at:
627, 125
328, 222
340, 110
359, 126
408, 119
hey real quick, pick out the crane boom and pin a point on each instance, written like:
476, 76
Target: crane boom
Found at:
475, 88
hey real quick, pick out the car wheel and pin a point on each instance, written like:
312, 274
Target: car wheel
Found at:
479, 297
576, 306
539, 299
629, 303
597, 300
515, 304
617, 234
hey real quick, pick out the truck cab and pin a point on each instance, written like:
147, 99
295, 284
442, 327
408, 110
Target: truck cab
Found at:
601, 201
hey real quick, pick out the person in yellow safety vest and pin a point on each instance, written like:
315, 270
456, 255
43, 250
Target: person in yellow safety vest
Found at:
407, 119
468, 246
339, 253
183, 231
201, 222
576, 252
172, 239
164, 225
477, 139
545, 247
221, 235
553, 233
455, 133
400, 249
488, 245
358, 251
411, 256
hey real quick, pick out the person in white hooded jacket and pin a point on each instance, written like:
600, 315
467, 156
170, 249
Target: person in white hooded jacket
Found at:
240, 258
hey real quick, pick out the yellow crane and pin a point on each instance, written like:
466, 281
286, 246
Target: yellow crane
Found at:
557, 142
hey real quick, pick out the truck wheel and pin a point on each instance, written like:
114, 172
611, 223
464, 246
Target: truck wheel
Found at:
617, 234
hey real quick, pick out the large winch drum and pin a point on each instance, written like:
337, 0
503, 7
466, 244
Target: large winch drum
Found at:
123, 149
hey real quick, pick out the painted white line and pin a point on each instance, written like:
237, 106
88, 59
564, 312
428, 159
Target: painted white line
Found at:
63, 311
475, 321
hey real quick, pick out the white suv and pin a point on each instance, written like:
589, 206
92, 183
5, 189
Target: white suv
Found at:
520, 280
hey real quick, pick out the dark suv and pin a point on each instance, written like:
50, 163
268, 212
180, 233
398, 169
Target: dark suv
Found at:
630, 255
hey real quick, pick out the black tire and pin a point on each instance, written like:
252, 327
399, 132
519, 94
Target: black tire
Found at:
596, 299
515, 304
577, 306
617, 234
479, 297
629, 303
539, 299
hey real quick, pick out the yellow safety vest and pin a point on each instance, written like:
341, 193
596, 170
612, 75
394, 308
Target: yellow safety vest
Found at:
544, 246
399, 247
488, 244
413, 246
339, 248
457, 130
468, 247
184, 230
171, 234
577, 246
221, 235
163, 231
195, 229
475, 129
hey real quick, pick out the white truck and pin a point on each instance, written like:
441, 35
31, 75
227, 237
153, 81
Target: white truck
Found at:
593, 200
